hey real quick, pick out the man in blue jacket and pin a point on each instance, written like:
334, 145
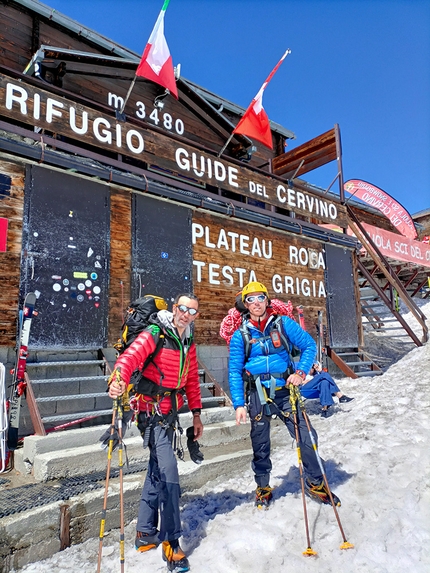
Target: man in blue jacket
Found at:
260, 371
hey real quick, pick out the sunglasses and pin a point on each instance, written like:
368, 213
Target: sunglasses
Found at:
184, 309
255, 298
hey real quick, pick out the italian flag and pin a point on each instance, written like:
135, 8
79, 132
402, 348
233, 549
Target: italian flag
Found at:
254, 122
156, 63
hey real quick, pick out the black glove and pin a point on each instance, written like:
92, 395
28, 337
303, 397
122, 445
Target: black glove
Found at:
194, 447
106, 437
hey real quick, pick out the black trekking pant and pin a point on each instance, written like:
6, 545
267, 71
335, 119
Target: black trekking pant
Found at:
260, 436
161, 491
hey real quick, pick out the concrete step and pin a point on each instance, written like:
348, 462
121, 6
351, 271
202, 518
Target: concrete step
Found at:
79, 451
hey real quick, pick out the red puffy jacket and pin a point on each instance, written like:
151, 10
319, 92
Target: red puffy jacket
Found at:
177, 362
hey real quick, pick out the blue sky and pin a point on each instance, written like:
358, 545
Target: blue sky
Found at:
363, 64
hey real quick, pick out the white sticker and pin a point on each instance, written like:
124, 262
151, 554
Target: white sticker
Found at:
90, 252
88, 283
81, 286
96, 290
56, 287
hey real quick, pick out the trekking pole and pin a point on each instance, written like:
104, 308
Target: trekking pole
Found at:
345, 544
121, 486
103, 518
309, 551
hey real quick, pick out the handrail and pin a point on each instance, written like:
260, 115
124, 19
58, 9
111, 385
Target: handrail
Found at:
219, 391
389, 274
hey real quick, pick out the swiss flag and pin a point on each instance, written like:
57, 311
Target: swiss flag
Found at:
254, 122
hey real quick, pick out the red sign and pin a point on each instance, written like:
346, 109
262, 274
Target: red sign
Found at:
380, 200
3, 234
400, 248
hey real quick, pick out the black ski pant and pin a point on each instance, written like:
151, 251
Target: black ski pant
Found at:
261, 416
161, 491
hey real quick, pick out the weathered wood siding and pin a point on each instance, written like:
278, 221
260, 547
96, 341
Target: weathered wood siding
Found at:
11, 208
120, 261
228, 254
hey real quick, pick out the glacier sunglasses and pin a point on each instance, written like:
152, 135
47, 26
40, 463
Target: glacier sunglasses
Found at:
184, 309
255, 298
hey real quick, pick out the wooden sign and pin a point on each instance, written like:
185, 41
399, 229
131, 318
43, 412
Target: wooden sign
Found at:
40, 108
227, 254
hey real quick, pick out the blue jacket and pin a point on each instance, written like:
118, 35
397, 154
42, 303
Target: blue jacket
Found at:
264, 358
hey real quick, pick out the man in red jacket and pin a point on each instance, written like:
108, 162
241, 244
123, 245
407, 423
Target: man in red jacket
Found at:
172, 370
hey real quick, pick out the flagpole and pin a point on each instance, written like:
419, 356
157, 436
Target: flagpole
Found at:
128, 94
226, 143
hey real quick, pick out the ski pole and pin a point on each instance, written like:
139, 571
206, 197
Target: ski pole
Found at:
296, 391
309, 551
121, 487
103, 518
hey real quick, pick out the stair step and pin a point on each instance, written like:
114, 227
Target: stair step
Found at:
78, 379
71, 397
369, 373
75, 416
66, 363
360, 363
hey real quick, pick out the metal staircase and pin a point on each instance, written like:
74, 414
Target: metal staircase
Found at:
382, 292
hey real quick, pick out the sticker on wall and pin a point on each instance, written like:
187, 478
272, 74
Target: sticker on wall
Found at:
81, 286
65, 282
164, 255
96, 290
56, 278
88, 283
80, 298
56, 287
97, 265
80, 275
90, 252
94, 276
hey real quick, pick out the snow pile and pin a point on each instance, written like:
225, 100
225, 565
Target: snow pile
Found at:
377, 460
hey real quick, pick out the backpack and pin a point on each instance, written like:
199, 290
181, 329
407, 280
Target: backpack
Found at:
138, 317
141, 315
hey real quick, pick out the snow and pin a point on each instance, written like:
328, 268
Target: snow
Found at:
376, 450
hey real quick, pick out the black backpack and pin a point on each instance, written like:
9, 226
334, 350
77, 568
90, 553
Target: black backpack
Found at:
141, 315
138, 317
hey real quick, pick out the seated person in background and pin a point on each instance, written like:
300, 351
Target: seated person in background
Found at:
319, 384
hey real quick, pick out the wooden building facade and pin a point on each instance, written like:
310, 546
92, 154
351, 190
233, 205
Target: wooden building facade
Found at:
101, 207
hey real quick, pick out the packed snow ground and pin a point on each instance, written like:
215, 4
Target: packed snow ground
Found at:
377, 461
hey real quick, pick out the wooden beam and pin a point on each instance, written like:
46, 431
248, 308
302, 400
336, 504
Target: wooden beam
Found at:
314, 153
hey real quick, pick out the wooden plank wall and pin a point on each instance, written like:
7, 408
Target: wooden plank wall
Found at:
217, 299
11, 208
15, 34
120, 260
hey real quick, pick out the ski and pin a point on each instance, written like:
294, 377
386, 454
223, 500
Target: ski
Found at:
3, 421
18, 381
301, 316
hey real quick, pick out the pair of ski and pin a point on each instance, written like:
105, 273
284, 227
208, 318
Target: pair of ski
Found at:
10, 422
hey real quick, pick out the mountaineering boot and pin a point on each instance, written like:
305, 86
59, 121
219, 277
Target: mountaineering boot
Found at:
324, 412
145, 542
175, 558
263, 496
343, 399
320, 493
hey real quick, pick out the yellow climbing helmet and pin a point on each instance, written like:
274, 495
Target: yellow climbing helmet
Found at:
254, 286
